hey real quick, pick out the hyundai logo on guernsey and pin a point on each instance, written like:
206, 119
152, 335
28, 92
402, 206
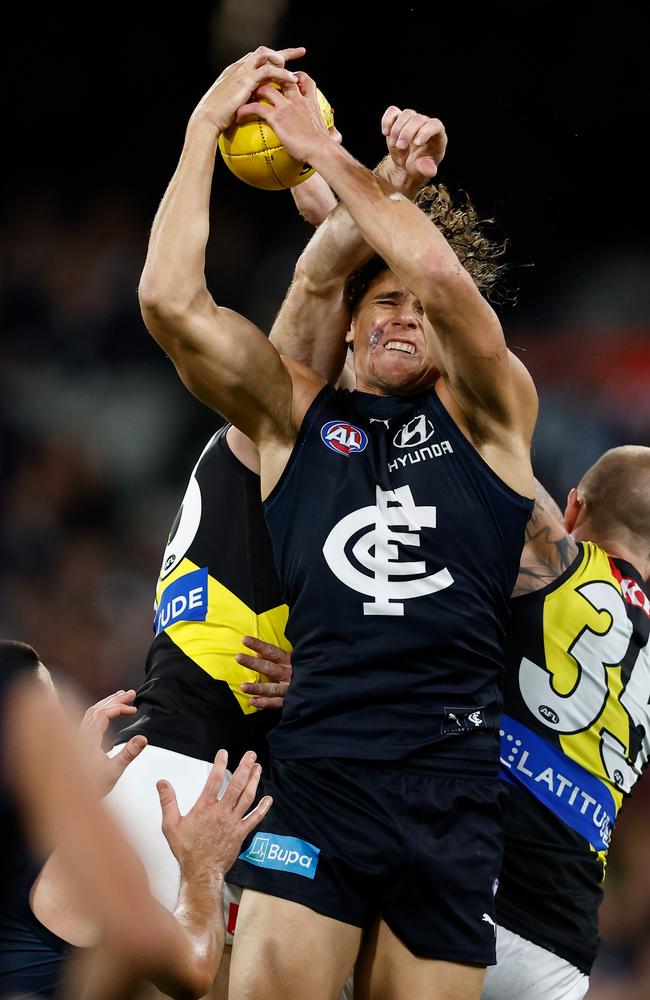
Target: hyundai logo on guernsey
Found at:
184, 600
416, 432
284, 854
344, 438
572, 793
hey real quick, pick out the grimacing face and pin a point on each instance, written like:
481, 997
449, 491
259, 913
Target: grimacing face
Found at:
393, 340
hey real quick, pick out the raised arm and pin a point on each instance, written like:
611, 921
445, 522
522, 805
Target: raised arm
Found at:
549, 549
481, 375
313, 320
222, 358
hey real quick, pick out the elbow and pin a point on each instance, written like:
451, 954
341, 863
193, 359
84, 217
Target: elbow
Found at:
158, 304
197, 978
201, 985
442, 284
309, 282
170, 317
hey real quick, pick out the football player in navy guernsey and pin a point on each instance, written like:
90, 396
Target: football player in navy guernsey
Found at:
391, 507
217, 578
575, 732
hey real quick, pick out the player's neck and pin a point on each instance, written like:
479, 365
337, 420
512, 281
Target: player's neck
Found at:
620, 550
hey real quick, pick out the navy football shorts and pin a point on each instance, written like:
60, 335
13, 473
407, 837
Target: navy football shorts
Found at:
417, 844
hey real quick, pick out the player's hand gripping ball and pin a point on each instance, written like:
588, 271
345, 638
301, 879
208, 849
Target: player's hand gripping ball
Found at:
255, 154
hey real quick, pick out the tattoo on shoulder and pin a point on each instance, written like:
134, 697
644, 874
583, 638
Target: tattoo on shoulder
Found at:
549, 549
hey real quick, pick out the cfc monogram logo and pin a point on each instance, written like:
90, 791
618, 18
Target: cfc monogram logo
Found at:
378, 567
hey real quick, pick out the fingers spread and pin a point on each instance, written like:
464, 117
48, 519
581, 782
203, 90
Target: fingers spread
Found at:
259, 812
130, 751
247, 796
170, 813
215, 778
275, 671
239, 780
269, 689
262, 701
266, 650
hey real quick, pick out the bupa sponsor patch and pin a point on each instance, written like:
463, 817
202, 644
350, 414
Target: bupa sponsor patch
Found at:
284, 854
184, 600
344, 438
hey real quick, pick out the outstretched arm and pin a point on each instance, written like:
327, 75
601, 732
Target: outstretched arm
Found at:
549, 549
313, 320
475, 363
222, 358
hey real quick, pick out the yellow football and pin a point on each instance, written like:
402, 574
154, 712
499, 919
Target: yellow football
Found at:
255, 154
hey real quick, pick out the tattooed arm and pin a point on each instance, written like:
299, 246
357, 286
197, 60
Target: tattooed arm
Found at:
548, 550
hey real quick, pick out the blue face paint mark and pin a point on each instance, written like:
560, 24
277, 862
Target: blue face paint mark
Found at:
375, 337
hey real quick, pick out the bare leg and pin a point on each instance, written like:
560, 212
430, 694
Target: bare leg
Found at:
387, 970
285, 951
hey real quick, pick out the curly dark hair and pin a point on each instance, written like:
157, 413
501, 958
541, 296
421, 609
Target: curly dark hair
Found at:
461, 226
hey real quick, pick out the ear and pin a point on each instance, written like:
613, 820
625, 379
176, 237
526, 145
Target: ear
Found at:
575, 512
349, 337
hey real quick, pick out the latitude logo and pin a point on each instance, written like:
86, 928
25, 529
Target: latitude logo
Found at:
377, 568
415, 433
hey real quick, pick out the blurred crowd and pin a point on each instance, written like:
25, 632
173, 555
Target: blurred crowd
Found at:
97, 439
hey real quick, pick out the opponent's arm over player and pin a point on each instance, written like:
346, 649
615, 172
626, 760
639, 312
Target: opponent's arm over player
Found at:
314, 317
229, 364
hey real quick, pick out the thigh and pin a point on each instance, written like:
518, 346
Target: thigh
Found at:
285, 951
525, 970
135, 804
440, 904
328, 842
387, 970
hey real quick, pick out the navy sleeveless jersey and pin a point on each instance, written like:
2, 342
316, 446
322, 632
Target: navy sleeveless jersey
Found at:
397, 547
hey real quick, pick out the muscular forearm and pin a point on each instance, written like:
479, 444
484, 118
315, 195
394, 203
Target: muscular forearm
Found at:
199, 912
313, 320
395, 229
338, 247
174, 275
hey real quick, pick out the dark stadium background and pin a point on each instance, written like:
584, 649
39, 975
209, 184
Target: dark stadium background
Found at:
546, 109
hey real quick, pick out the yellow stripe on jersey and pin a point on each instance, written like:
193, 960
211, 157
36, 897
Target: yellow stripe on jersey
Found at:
212, 644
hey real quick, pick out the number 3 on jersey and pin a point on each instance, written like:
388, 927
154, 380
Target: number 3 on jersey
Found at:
583, 695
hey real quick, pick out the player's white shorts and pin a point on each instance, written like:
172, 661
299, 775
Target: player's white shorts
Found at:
524, 971
135, 805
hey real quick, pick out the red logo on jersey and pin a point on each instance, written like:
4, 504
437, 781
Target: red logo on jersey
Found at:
634, 595
342, 437
632, 592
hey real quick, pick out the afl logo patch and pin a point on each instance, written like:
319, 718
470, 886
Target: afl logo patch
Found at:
342, 437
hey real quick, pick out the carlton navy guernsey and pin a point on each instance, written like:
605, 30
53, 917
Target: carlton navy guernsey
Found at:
397, 547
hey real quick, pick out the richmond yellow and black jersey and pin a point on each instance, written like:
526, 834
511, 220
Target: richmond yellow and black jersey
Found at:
217, 583
575, 737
